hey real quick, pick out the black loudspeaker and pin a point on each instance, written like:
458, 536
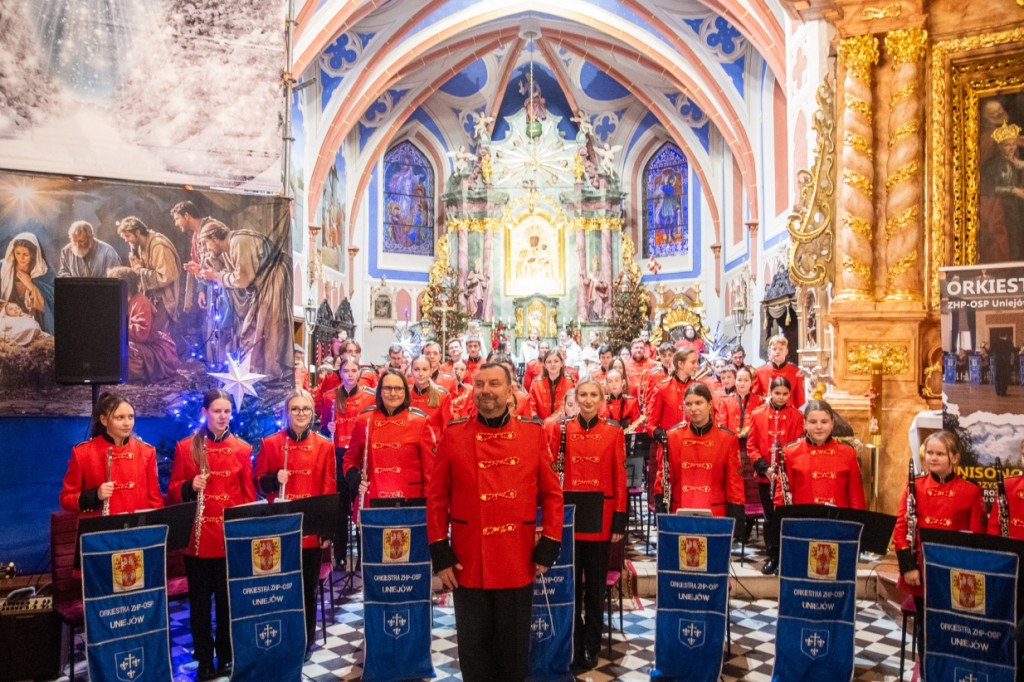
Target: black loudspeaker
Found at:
29, 646
90, 320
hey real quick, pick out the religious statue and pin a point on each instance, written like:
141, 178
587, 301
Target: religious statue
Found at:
598, 293
607, 154
534, 261
481, 128
535, 104
476, 292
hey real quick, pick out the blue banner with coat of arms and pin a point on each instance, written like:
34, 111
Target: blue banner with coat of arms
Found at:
554, 611
970, 613
396, 594
693, 597
268, 627
124, 589
817, 600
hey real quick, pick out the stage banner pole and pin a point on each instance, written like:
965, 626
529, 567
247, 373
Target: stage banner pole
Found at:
268, 627
396, 594
124, 589
693, 597
970, 614
554, 611
817, 600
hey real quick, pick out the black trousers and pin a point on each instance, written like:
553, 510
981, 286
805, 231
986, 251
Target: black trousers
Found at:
494, 633
208, 578
771, 526
341, 542
591, 584
311, 557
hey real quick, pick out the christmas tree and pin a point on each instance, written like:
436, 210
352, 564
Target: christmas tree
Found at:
630, 302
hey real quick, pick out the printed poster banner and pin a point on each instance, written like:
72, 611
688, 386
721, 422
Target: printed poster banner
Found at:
817, 600
970, 614
268, 626
554, 611
124, 585
982, 313
693, 597
396, 594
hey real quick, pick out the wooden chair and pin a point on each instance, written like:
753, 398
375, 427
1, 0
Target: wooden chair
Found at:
66, 582
326, 576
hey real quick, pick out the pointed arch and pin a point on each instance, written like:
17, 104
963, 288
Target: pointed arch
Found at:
666, 223
409, 187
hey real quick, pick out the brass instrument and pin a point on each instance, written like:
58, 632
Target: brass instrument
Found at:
106, 502
911, 510
201, 495
1004, 503
632, 428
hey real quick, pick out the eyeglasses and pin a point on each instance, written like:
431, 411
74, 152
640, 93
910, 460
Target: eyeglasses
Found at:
392, 389
301, 410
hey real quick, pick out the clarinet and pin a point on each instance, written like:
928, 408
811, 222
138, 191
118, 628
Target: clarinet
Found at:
775, 453
561, 459
1004, 504
666, 483
283, 497
911, 511
106, 502
787, 495
201, 496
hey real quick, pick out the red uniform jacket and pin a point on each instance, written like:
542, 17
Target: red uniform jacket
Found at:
524, 406
311, 468
472, 367
487, 483
734, 412
435, 415
443, 379
953, 504
823, 474
766, 374
132, 469
460, 404
547, 397
1015, 502
666, 408
598, 375
623, 410
704, 469
594, 459
649, 381
754, 388
230, 483
635, 372
368, 377
401, 453
770, 427
534, 368
712, 382
345, 421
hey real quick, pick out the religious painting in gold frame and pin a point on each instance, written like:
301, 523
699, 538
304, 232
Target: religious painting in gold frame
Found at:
534, 247
969, 77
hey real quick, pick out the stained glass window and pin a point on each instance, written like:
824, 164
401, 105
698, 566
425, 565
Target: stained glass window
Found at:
408, 201
666, 221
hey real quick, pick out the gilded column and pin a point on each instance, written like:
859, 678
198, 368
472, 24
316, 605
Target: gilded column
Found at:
858, 54
903, 183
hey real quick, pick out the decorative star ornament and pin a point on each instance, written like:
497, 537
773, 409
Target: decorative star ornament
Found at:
238, 380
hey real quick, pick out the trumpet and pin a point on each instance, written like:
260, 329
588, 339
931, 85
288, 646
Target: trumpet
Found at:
106, 502
201, 497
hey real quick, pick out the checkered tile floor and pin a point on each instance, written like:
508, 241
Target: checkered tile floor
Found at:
632, 657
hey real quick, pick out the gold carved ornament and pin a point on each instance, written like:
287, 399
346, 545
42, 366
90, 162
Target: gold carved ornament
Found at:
858, 225
926, 391
907, 45
902, 174
855, 103
894, 358
811, 226
857, 267
903, 130
596, 224
900, 222
899, 267
953, 100
889, 11
859, 54
905, 91
859, 182
473, 224
438, 271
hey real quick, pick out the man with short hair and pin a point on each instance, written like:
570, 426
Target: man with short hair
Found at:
493, 555
604, 363
155, 259
638, 363
84, 255
454, 355
473, 359
779, 366
739, 357
186, 218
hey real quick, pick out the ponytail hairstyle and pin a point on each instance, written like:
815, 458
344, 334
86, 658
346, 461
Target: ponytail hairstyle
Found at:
340, 399
433, 395
106, 405
196, 445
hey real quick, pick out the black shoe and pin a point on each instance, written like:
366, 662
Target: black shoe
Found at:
308, 656
771, 567
589, 660
206, 671
224, 669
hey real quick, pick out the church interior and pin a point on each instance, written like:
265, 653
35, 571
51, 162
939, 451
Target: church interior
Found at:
513, 170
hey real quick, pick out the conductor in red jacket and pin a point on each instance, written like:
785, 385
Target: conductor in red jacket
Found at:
490, 475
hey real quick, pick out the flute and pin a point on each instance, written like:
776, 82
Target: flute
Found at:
283, 497
201, 496
106, 502
364, 477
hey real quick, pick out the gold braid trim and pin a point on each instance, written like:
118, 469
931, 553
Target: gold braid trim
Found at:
907, 45
858, 181
859, 54
904, 92
902, 174
858, 225
901, 221
903, 130
858, 268
859, 143
860, 106
901, 266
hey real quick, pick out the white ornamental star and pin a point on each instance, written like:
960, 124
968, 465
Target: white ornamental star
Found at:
238, 380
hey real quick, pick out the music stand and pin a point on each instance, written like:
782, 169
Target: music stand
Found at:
877, 527
320, 513
396, 502
178, 518
589, 516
